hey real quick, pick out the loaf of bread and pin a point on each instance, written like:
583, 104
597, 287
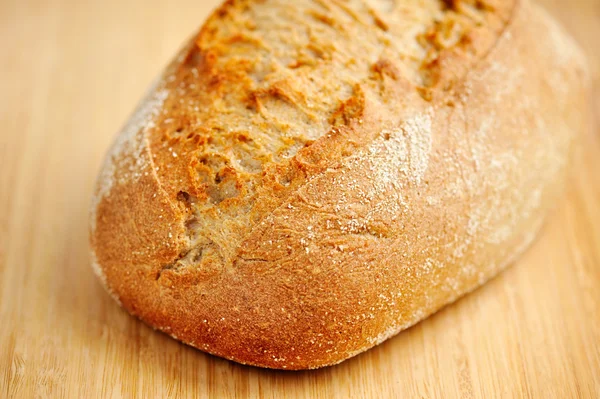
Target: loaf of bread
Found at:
308, 178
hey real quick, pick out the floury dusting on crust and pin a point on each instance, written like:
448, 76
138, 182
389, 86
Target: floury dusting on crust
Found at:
407, 149
100, 273
128, 149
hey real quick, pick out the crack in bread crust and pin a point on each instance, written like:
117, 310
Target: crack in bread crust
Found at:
284, 109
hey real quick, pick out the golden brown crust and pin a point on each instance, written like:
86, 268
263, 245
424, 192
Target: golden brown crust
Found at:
289, 196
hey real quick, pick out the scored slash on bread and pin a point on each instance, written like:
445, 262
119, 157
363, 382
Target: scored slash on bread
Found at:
309, 178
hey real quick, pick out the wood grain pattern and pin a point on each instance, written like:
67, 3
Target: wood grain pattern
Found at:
71, 72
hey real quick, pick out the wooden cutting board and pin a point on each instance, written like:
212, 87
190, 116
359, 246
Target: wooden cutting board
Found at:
70, 73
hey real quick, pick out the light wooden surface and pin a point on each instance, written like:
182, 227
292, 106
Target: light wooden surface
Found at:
70, 73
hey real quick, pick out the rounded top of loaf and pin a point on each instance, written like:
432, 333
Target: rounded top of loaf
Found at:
288, 138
